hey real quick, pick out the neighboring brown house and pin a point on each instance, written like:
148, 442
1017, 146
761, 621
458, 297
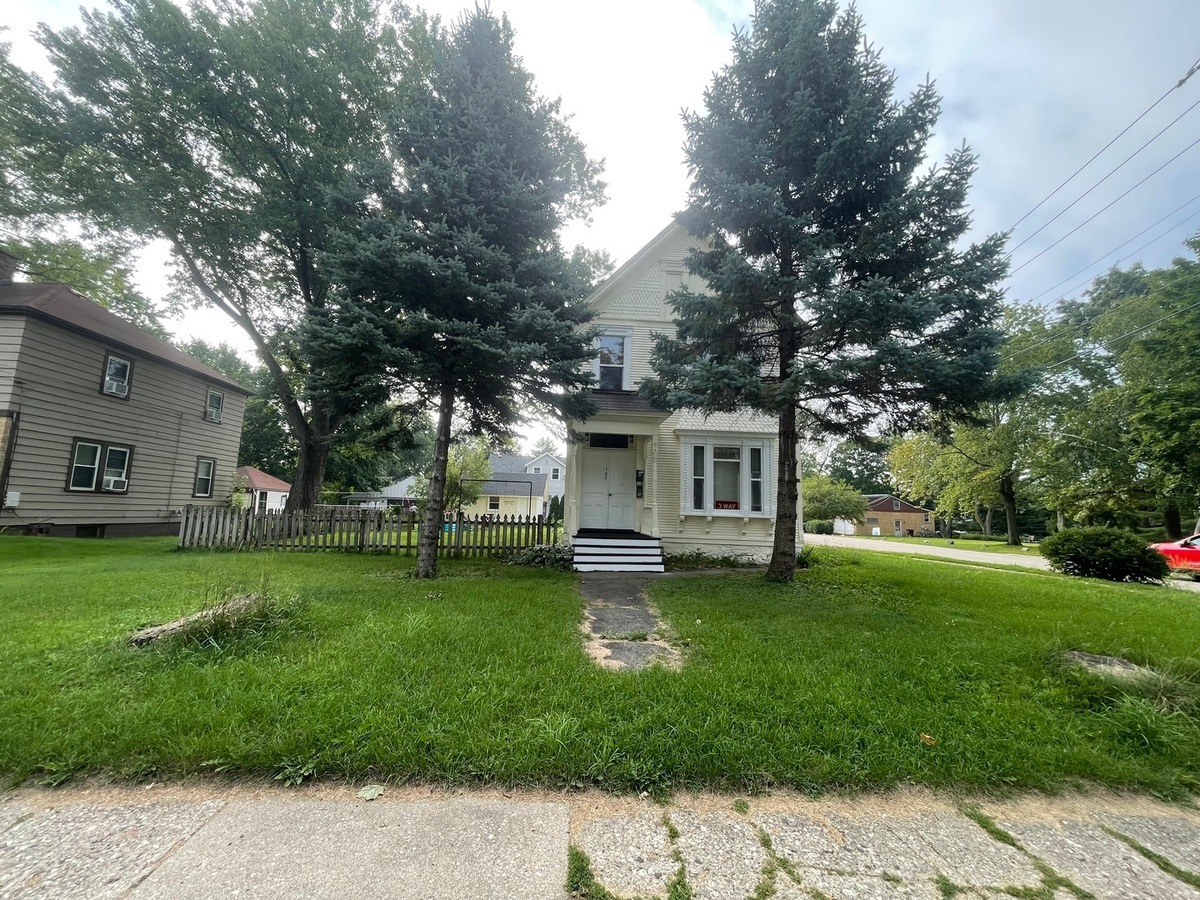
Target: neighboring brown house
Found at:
894, 517
105, 430
264, 493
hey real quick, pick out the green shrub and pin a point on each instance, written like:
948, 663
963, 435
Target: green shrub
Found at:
544, 556
1101, 552
819, 526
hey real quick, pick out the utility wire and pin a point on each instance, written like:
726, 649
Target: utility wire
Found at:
1182, 81
1100, 315
1092, 217
1106, 344
1111, 172
1122, 245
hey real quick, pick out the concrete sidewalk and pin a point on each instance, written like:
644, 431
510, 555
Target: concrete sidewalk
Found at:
206, 841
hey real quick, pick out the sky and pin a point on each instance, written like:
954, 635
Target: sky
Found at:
1034, 87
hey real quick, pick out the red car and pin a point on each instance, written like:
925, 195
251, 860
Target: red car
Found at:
1182, 556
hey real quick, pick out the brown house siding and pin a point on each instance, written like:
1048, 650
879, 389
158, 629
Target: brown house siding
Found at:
55, 390
881, 514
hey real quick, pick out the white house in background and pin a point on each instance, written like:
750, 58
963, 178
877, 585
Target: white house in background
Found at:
554, 468
641, 480
264, 493
398, 493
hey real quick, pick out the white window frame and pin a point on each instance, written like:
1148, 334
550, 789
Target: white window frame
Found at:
212, 477
555, 473
102, 482
537, 470
895, 506
626, 374
214, 413
746, 443
493, 503
95, 467
116, 387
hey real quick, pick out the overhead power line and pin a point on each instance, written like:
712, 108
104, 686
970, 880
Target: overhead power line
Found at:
1182, 81
1107, 207
1110, 341
1110, 173
1120, 246
1080, 325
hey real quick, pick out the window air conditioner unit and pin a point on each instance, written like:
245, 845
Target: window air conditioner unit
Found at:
116, 484
112, 386
212, 415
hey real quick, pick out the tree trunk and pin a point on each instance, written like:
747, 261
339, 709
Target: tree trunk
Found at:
311, 460
1008, 494
431, 518
987, 523
783, 554
1172, 522
1061, 521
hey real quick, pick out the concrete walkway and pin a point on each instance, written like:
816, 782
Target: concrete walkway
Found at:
207, 841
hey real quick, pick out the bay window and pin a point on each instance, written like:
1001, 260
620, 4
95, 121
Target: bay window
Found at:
725, 475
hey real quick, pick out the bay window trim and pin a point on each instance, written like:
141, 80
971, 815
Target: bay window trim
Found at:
697, 448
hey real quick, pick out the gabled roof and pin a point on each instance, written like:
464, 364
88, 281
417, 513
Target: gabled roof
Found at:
258, 480
674, 235
512, 484
549, 456
872, 499
508, 462
59, 305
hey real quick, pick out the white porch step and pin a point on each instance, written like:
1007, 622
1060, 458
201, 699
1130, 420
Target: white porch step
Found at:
617, 553
619, 567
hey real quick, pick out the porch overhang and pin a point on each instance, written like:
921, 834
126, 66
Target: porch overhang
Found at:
621, 412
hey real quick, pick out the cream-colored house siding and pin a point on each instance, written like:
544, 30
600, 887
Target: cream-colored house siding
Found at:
634, 302
57, 391
509, 506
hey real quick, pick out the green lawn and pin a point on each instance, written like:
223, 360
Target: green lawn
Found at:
480, 677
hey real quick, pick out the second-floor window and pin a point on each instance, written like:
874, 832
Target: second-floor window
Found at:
612, 373
554, 473
118, 373
214, 406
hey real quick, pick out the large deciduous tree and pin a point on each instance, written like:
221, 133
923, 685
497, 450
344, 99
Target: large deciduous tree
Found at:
221, 128
841, 291
458, 283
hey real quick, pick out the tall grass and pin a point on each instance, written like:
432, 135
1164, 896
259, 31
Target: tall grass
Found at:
480, 677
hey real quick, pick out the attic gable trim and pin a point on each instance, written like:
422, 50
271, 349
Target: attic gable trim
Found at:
628, 273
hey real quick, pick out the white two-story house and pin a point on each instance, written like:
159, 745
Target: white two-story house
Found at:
641, 480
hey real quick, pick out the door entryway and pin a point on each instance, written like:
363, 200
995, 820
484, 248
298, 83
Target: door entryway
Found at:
608, 489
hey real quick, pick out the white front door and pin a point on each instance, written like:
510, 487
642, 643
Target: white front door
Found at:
608, 489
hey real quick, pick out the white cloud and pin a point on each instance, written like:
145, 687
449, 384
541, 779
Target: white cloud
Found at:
1035, 87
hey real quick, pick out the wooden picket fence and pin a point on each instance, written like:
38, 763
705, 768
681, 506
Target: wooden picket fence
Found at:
360, 529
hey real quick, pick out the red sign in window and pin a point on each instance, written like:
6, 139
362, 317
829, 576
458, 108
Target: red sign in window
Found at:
727, 504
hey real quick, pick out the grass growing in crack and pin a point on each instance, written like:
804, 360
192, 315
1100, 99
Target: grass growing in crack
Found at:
892, 878
947, 888
1184, 875
1051, 880
741, 807
827, 683
988, 824
581, 881
678, 887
